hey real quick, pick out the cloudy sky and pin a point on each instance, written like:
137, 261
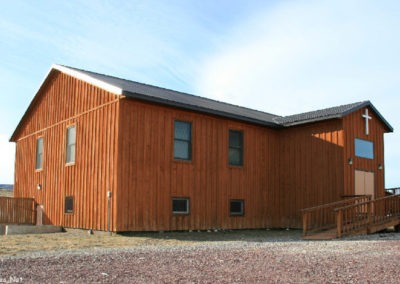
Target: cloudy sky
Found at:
282, 57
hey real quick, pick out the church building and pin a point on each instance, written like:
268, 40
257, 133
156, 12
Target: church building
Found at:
103, 153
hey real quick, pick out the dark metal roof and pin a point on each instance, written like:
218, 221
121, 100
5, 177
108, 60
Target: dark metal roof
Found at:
328, 113
132, 89
135, 90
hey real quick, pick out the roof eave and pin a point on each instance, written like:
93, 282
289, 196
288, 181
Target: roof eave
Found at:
74, 73
312, 120
88, 79
148, 98
389, 128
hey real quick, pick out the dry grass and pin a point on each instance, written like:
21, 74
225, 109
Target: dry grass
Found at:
6, 193
74, 240
14, 245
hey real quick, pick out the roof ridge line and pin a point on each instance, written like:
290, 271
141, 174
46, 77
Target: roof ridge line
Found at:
170, 90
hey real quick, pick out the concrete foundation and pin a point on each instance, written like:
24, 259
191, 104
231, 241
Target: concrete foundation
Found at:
28, 229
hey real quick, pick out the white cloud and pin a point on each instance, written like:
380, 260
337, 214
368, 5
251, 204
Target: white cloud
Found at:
282, 57
306, 55
7, 154
300, 56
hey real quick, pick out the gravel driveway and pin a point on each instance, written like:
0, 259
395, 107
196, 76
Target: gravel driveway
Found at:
260, 258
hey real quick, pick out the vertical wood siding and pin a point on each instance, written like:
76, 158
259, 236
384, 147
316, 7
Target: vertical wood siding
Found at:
17, 210
126, 146
310, 167
62, 102
354, 126
149, 176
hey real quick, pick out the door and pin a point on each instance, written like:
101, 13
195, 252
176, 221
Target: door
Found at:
364, 183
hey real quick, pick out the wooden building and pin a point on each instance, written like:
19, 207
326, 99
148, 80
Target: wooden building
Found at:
103, 153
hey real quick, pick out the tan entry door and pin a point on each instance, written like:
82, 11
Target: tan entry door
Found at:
364, 184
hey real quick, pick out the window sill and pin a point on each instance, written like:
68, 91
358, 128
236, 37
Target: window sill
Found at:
182, 161
236, 167
178, 214
70, 164
38, 170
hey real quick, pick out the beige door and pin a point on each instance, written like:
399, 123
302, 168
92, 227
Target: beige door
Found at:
364, 183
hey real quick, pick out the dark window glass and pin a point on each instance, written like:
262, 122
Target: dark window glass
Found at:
182, 140
235, 148
69, 204
180, 205
39, 153
236, 207
71, 139
364, 148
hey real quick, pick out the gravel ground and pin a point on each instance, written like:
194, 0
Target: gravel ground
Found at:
237, 257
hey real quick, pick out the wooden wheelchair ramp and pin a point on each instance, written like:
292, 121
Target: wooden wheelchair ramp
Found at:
354, 216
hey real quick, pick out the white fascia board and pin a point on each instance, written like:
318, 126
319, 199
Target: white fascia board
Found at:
81, 76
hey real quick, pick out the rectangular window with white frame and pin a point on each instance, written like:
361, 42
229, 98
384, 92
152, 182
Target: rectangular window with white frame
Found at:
180, 205
235, 148
39, 153
71, 145
364, 148
182, 140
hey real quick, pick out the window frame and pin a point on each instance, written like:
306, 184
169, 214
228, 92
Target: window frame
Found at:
365, 143
236, 148
41, 154
68, 159
189, 141
234, 214
186, 212
69, 200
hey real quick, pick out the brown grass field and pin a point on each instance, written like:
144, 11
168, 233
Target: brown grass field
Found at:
77, 240
6, 193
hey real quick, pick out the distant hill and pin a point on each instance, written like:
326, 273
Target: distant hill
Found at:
7, 186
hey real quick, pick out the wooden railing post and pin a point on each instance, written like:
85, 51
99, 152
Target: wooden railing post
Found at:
369, 217
339, 222
306, 216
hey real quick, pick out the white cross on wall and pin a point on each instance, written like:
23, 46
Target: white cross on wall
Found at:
367, 118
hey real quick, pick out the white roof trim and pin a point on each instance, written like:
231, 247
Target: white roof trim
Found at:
84, 77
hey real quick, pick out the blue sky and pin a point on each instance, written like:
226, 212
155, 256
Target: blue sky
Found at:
282, 57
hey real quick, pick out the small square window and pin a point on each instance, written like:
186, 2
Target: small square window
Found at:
69, 204
236, 207
180, 205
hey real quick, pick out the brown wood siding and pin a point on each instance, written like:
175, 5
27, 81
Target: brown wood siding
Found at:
149, 176
126, 146
65, 101
66, 98
17, 210
311, 169
354, 126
